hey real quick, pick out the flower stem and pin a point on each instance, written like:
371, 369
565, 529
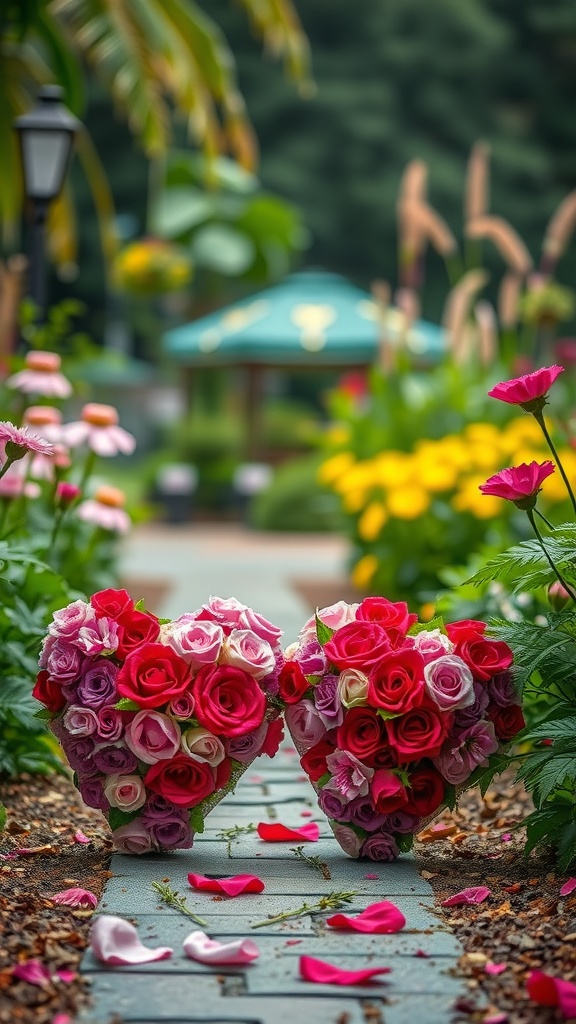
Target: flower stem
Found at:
543, 518
329, 902
6, 467
539, 417
172, 899
88, 469
554, 568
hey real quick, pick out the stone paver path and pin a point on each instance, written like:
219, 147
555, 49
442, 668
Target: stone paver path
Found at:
268, 991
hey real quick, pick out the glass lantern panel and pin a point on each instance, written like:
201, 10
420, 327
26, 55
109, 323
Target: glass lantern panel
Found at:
45, 154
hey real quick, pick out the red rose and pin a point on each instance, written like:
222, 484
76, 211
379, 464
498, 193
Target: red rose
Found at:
357, 645
183, 780
388, 793
418, 733
396, 682
49, 692
465, 629
485, 657
292, 682
390, 614
314, 760
134, 630
384, 757
426, 792
507, 721
362, 732
228, 700
111, 603
152, 675
274, 737
222, 773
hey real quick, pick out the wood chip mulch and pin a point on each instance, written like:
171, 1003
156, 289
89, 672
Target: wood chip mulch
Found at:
524, 924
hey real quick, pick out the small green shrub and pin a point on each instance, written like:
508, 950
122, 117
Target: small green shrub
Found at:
295, 500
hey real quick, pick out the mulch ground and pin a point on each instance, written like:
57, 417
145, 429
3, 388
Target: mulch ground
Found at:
524, 924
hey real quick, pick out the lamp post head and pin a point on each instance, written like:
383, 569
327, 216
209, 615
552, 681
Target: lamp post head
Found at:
46, 140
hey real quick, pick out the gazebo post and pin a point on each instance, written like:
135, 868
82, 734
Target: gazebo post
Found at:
253, 409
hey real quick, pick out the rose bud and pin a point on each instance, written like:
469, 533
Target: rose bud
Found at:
558, 596
66, 494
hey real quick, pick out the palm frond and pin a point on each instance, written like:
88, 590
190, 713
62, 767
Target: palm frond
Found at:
277, 22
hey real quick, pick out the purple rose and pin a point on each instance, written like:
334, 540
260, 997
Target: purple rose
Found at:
333, 803
68, 621
97, 686
328, 703
304, 723
502, 690
449, 682
110, 724
465, 717
246, 748
401, 821
92, 791
157, 807
364, 814
461, 753
61, 659
171, 833
78, 750
115, 760
348, 839
380, 846
80, 721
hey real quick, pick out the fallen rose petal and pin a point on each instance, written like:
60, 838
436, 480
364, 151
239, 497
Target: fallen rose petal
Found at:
506, 838
256, 778
79, 837
327, 974
33, 972
31, 851
549, 991
235, 885
420, 952
115, 941
198, 946
371, 877
495, 1018
75, 898
378, 919
568, 887
62, 1018
492, 968
65, 975
277, 833
477, 894
293, 942
305, 814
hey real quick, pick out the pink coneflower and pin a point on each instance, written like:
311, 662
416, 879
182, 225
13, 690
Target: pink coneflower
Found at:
106, 510
46, 422
41, 376
99, 429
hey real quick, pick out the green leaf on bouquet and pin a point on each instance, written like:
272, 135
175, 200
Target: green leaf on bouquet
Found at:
450, 797
386, 715
124, 704
117, 818
196, 819
313, 680
3, 816
323, 632
323, 780
140, 605
404, 842
422, 627
482, 775
43, 715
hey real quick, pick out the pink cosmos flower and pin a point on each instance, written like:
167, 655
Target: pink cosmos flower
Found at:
98, 428
349, 774
519, 484
41, 376
528, 391
105, 510
76, 897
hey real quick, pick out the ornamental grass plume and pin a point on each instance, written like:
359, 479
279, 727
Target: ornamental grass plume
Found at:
457, 309
476, 197
508, 242
558, 232
41, 376
509, 299
433, 227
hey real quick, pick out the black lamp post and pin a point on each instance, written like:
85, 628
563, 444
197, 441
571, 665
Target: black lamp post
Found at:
46, 136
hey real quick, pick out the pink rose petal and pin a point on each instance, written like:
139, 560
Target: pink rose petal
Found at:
492, 968
235, 885
378, 919
79, 837
506, 838
495, 1018
327, 974
34, 972
256, 778
198, 946
293, 942
549, 991
371, 877
75, 898
116, 941
305, 814
568, 887
274, 832
62, 1018
65, 975
477, 894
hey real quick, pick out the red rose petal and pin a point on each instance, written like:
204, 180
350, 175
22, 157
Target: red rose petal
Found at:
293, 942
305, 814
235, 885
326, 974
568, 887
378, 919
477, 894
79, 837
277, 833
422, 953
549, 991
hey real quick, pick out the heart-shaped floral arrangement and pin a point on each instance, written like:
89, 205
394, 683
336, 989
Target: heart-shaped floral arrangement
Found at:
159, 719
392, 716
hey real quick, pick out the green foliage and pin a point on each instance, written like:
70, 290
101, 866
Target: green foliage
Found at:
323, 632
196, 819
3, 816
525, 567
295, 501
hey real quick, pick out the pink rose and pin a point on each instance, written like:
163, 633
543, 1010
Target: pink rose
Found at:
305, 723
348, 839
449, 683
349, 775
110, 723
250, 619
198, 643
67, 621
203, 745
182, 707
61, 659
228, 700
225, 610
133, 837
245, 650
80, 721
98, 637
126, 792
152, 736
432, 643
334, 616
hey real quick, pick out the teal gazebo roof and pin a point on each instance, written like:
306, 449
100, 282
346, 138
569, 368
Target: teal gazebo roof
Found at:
311, 318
